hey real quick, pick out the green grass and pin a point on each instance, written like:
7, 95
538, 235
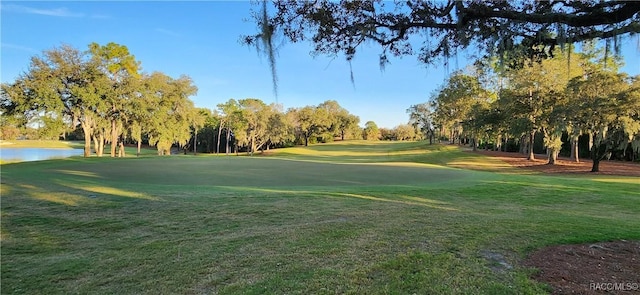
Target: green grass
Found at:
353, 217
395, 153
41, 144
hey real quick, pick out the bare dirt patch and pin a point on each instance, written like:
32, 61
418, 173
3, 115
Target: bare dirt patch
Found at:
596, 268
599, 268
565, 166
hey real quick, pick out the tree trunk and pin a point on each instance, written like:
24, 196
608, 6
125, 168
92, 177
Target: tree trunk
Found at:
504, 143
87, 143
596, 155
261, 146
87, 140
306, 140
228, 138
553, 156
100, 145
96, 146
342, 135
252, 147
114, 136
574, 149
531, 156
121, 153
596, 166
596, 160
195, 141
219, 134
547, 152
139, 144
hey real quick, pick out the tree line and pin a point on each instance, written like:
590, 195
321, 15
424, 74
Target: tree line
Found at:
102, 95
251, 125
103, 92
522, 100
573, 95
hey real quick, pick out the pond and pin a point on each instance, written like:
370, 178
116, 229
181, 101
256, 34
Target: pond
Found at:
36, 154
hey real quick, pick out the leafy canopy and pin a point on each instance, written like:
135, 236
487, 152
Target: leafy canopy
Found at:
517, 30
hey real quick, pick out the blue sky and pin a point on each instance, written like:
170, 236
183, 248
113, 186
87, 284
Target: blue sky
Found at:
201, 39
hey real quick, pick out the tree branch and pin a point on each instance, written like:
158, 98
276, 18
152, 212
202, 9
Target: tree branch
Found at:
587, 17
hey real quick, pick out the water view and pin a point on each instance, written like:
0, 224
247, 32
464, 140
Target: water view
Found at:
36, 154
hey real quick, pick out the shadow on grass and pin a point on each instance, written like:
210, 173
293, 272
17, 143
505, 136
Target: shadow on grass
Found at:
398, 152
240, 224
75, 194
393, 198
567, 188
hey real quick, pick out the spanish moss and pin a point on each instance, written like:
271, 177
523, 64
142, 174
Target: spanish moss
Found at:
266, 36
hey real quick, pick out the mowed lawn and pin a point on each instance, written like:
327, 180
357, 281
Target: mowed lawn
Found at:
352, 217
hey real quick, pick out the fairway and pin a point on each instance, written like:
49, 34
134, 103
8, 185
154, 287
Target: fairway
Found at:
248, 172
352, 217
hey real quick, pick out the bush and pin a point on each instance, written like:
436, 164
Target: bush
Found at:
9, 132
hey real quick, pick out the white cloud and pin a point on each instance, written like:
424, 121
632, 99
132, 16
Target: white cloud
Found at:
18, 47
57, 12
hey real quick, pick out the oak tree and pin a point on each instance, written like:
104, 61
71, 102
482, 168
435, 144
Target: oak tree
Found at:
433, 30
